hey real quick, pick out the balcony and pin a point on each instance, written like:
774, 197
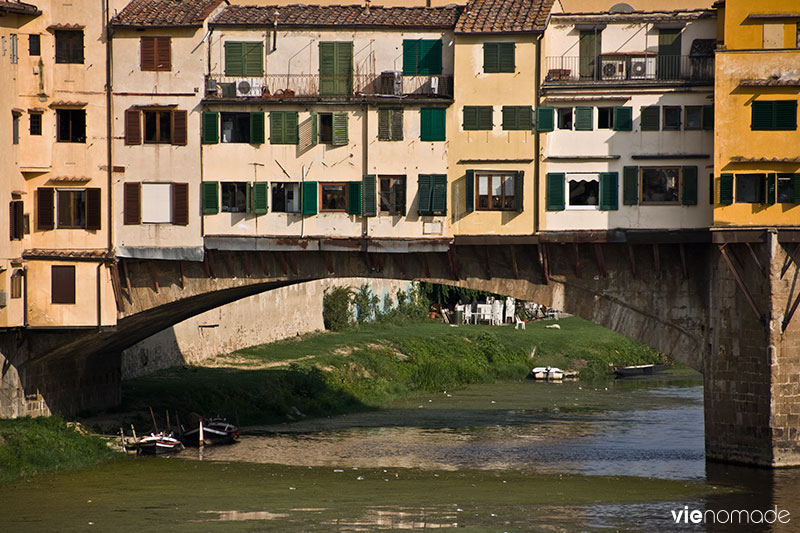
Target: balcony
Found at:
314, 86
628, 69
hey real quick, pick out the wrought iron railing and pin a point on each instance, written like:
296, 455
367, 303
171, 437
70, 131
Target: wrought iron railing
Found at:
627, 68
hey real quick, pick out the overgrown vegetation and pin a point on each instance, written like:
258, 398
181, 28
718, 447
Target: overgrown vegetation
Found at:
31, 445
342, 307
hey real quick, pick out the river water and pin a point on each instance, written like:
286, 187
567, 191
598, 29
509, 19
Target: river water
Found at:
615, 455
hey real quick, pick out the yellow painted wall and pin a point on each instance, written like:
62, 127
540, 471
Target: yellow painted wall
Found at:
743, 33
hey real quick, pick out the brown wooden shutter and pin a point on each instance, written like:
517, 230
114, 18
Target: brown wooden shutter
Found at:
163, 53
180, 204
133, 126
179, 127
62, 287
45, 197
132, 204
148, 53
93, 204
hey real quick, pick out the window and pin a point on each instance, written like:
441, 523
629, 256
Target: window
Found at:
333, 197
432, 194
422, 57
651, 118
336, 68
390, 124
432, 124
797, 40
393, 195
157, 203
605, 118
71, 208
286, 197
244, 58
589, 49
583, 191
786, 187
17, 222
775, 115
660, 185
565, 118
693, 117
496, 192
16, 284
235, 197
161, 126
157, 127
70, 125
235, 127
326, 128
62, 289
478, 118
15, 128
34, 45
672, 117
498, 57
622, 118
14, 49
35, 123
333, 128
69, 46
750, 188
518, 118
283, 127
155, 53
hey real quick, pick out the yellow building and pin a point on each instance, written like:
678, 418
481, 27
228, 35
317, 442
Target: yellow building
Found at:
756, 156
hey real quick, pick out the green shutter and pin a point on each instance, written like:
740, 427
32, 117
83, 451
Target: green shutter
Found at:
545, 118
584, 118
327, 67
726, 189
309, 198
485, 117
470, 190
210, 127
424, 191
430, 57
354, 198
630, 185
432, 124
519, 189
314, 136
510, 117
336, 68
369, 196
689, 186
651, 118
291, 129
491, 57
609, 191
786, 115
340, 129
397, 124
210, 197
260, 197
770, 189
470, 118
505, 60
439, 194
384, 126
555, 191
234, 59
796, 187
276, 127
411, 56
257, 128
708, 117
623, 118
762, 116
253, 54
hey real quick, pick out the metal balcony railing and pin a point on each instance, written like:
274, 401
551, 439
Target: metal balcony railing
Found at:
627, 68
285, 86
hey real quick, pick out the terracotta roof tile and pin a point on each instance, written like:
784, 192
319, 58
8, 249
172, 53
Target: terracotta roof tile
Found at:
65, 26
340, 16
165, 13
771, 82
42, 253
504, 16
18, 7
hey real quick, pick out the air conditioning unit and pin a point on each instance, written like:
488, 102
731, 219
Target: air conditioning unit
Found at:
391, 82
249, 87
211, 87
643, 68
613, 69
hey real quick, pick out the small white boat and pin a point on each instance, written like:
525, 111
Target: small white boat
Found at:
549, 373
156, 444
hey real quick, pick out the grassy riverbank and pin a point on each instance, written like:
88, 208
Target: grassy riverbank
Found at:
32, 445
325, 374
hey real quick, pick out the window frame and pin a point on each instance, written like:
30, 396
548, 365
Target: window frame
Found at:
34, 45
67, 46
38, 122
325, 135
562, 114
275, 187
15, 127
159, 118
694, 108
505, 177
143, 211
605, 110
69, 113
345, 194
237, 126
244, 186
785, 176
571, 176
395, 182
759, 179
15, 282
74, 213
644, 201
676, 112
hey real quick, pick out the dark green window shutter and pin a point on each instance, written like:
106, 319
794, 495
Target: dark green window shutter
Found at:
519, 189
517, 118
761, 117
340, 129
771, 178
708, 117
253, 54
310, 198
525, 118
291, 133
439, 194
260, 197
410, 57
210, 197
689, 186
432, 124
397, 124
651, 118
369, 196
354, 198
506, 57
545, 118
485, 117
384, 127
555, 191
470, 190
327, 59
609, 191
314, 136
726, 189
786, 115
210, 127
630, 185
424, 191
470, 118
623, 118
257, 128
276, 127
796, 187
584, 118
776, 115
491, 57
430, 57
234, 59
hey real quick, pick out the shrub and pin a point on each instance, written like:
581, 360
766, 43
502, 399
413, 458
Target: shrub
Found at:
336, 313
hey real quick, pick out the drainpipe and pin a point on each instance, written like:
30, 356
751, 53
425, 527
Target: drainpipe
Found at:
25, 297
536, 137
365, 163
99, 296
109, 129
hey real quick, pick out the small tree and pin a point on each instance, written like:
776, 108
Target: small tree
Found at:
336, 313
